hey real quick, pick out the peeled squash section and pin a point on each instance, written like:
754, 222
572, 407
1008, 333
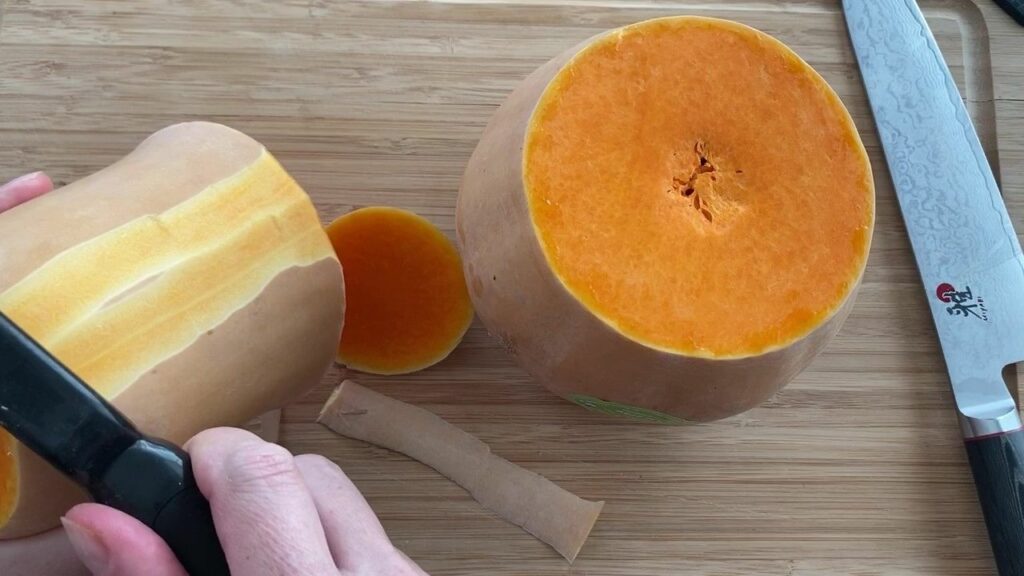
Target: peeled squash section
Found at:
167, 276
408, 307
669, 222
191, 283
8, 480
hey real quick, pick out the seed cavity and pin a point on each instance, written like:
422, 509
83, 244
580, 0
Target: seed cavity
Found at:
687, 186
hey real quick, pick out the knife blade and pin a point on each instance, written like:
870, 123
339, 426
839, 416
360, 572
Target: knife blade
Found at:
966, 249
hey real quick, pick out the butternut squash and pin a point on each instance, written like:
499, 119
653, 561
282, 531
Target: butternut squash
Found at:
408, 306
668, 222
191, 283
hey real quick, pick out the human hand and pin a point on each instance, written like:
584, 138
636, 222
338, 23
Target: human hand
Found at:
274, 513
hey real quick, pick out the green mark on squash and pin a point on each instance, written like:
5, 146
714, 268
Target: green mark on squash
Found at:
616, 409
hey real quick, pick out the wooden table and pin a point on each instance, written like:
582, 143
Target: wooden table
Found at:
855, 468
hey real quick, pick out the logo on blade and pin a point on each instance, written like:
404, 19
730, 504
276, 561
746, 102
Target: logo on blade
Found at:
963, 302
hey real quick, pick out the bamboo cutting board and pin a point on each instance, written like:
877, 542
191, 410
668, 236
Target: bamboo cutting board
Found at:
855, 468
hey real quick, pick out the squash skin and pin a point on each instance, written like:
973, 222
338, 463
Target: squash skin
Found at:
554, 337
267, 352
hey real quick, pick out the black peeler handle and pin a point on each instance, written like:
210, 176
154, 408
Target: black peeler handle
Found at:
55, 414
152, 481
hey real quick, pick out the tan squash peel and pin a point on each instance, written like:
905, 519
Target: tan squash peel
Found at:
526, 499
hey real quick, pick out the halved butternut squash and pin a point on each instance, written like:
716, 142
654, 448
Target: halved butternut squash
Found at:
668, 222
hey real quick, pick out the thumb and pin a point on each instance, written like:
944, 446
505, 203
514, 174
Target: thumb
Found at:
111, 543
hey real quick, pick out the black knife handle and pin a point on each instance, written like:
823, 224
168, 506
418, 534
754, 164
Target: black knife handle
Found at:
998, 465
1015, 8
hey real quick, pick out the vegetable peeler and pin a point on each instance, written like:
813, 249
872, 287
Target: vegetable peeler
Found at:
58, 416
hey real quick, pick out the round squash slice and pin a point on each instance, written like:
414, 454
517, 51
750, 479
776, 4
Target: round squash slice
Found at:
408, 307
190, 282
669, 222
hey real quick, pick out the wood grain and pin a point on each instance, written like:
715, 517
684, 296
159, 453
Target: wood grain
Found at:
856, 468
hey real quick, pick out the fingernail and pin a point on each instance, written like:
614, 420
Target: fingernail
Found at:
22, 178
87, 545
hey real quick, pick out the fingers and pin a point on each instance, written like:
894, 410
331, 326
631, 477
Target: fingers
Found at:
266, 518
111, 543
47, 553
357, 539
23, 189
354, 534
413, 568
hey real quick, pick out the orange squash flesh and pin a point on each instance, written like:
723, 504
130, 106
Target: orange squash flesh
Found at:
407, 303
682, 217
8, 480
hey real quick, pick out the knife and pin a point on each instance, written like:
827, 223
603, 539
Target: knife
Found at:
966, 249
1015, 8
55, 414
